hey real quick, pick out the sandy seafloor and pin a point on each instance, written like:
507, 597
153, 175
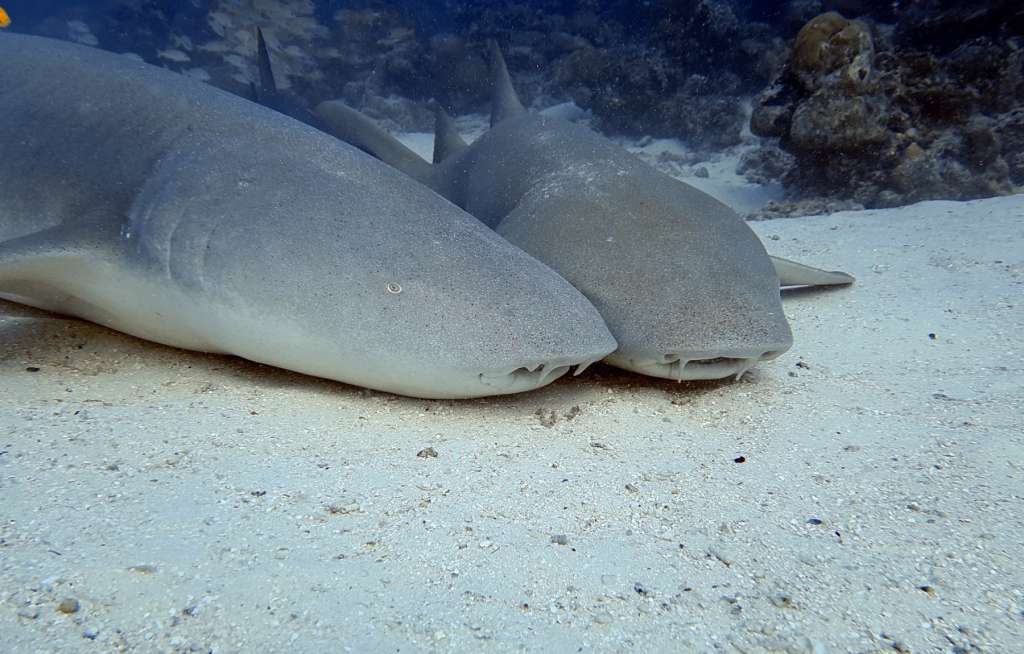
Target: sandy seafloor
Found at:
860, 494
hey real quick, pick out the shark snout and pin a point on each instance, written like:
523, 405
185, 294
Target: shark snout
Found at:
531, 376
699, 365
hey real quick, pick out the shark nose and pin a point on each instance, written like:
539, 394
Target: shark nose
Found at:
697, 367
692, 366
534, 375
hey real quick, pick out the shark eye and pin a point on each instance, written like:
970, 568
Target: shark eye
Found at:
394, 288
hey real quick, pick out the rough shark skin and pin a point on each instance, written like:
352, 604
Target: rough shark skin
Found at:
683, 283
161, 207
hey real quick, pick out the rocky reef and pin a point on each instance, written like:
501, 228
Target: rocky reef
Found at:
875, 115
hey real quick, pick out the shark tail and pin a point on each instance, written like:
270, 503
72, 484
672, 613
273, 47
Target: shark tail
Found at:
349, 125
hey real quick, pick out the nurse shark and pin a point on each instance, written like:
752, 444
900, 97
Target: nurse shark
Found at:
683, 283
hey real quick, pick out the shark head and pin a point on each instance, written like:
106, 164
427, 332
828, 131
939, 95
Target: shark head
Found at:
339, 267
684, 285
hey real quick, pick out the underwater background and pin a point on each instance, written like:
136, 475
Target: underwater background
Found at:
851, 104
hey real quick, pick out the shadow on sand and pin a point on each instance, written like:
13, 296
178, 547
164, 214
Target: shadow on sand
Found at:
30, 338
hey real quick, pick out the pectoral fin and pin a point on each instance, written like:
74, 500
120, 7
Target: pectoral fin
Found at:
792, 273
35, 269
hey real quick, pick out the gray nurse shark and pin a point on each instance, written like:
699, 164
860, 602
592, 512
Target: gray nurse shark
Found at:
683, 283
162, 207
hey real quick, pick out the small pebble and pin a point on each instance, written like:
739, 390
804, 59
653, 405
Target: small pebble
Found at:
29, 613
560, 539
90, 634
68, 605
701, 172
814, 521
427, 453
740, 459
724, 557
31, 369
782, 601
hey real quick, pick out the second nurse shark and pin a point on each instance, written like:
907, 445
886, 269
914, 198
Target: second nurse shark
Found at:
682, 282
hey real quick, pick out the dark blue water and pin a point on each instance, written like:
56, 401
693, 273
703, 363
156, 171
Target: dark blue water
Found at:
640, 66
888, 102
432, 17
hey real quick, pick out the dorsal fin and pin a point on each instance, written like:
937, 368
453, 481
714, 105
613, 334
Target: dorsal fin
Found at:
267, 87
504, 101
345, 123
792, 273
447, 141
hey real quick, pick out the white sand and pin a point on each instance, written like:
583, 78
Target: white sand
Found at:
722, 181
470, 127
202, 503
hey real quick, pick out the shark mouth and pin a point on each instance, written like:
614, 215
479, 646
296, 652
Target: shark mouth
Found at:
530, 376
689, 367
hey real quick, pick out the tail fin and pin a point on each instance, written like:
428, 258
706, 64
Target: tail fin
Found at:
504, 101
347, 124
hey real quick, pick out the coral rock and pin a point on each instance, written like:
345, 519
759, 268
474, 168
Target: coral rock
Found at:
832, 46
